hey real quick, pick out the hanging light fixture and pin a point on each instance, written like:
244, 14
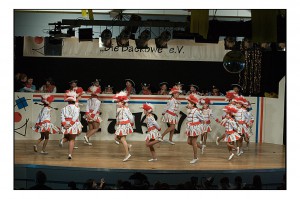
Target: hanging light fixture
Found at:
142, 41
162, 40
123, 38
105, 39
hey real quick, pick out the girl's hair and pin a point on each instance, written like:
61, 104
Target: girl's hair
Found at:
195, 105
71, 102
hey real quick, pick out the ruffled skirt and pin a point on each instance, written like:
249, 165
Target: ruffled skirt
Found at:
124, 129
168, 118
46, 127
207, 128
74, 129
153, 135
96, 118
242, 129
194, 130
232, 137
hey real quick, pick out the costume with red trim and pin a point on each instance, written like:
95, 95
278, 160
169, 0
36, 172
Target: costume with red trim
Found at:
152, 125
70, 116
170, 113
207, 115
124, 118
240, 117
92, 113
195, 118
230, 125
43, 122
249, 118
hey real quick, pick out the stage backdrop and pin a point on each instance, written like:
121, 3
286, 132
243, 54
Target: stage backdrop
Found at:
26, 112
178, 49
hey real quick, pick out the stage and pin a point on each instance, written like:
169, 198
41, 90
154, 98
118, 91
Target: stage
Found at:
105, 158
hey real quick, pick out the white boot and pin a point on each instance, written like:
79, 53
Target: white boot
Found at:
194, 161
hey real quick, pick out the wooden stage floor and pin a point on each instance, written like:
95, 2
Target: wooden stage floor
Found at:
108, 155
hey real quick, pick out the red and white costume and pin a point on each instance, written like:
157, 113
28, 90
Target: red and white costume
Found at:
249, 118
70, 115
195, 118
240, 117
152, 125
230, 126
170, 114
230, 95
124, 117
207, 115
92, 113
43, 122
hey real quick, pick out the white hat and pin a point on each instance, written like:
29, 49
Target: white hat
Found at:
70, 96
121, 97
47, 99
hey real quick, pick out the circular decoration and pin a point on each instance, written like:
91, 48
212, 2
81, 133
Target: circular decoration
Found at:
17, 117
38, 40
234, 61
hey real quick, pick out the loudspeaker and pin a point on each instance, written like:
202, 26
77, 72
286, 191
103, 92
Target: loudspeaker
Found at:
85, 34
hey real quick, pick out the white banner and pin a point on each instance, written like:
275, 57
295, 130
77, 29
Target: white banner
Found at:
26, 111
184, 50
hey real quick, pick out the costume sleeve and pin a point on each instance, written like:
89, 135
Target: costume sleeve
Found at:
167, 106
97, 107
233, 124
39, 118
62, 116
251, 117
129, 115
155, 123
244, 116
75, 116
223, 122
199, 114
223, 115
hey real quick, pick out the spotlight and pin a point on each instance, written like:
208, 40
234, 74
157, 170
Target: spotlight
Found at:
162, 40
105, 39
123, 38
85, 34
142, 41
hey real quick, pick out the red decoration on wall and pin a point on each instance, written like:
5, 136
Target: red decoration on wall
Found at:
17, 117
38, 40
